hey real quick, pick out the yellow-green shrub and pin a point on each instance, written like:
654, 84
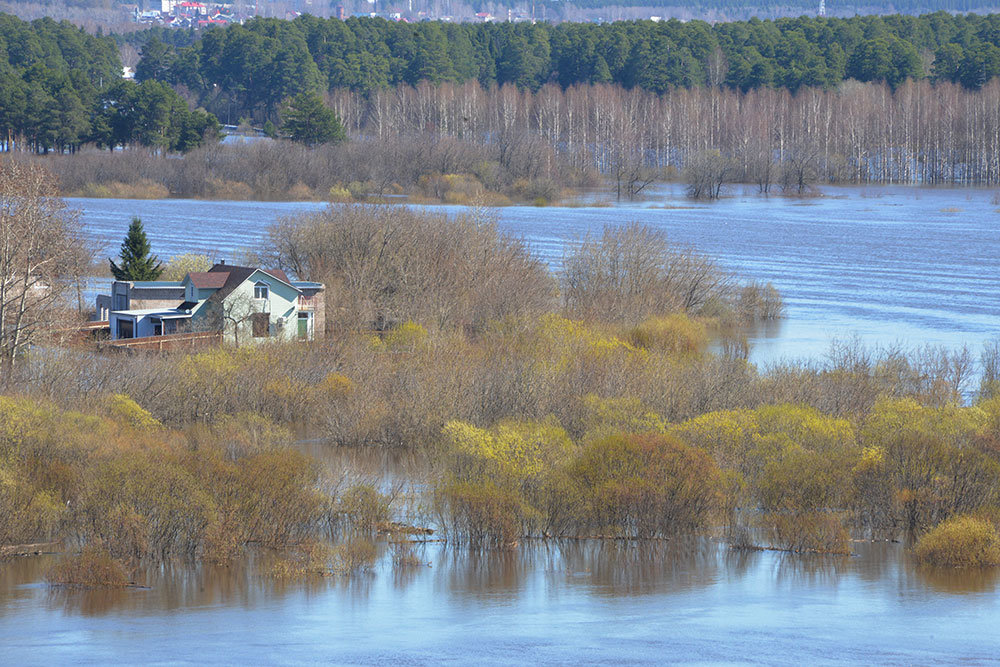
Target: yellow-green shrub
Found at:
511, 450
675, 334
932, 462
626, 414
125, 409
496, 478
143, 189
962, 541
645, 486
406, 337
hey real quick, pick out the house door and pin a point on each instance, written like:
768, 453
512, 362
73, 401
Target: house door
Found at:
125, 328
305, 326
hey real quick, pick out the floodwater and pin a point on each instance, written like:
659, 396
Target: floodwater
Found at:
571, 602
889, 265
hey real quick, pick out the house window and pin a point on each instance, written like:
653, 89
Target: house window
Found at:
260, 322
157, 326
121, 303
260, 290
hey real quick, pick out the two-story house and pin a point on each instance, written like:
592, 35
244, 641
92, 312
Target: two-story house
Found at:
245, 304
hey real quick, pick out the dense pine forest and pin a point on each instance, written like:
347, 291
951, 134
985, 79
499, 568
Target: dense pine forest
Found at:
256, 65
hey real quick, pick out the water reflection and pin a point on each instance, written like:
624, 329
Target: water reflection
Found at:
810, 570
949, 580
617, 568
562, 600
96, 602
494, 575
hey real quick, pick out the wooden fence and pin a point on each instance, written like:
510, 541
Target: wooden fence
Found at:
166, 343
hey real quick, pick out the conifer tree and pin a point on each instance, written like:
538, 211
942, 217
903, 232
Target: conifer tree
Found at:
136, 261
309, 121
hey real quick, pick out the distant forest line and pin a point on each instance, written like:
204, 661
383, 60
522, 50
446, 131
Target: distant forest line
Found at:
249, 69
519, 103
466, 144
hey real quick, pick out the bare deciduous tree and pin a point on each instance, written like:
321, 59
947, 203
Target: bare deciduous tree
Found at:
706, 172
384, 265
42, 256
633, 272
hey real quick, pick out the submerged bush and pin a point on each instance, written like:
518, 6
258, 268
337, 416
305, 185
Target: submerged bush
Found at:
644, 486
355, 556
483, 513
144, 492
364, 507
962, 541
93, 567
820, 532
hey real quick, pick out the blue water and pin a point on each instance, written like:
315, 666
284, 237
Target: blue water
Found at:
579, 603
889, 265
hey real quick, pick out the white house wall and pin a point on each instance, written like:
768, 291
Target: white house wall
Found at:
143, 325
282, 303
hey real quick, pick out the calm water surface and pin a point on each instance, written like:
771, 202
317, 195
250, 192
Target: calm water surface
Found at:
578, 602
890, 265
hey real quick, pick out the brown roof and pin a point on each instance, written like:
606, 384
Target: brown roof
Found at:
235, 275
208, 280
279, 274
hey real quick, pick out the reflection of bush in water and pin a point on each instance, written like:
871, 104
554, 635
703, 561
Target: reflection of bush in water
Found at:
957, 581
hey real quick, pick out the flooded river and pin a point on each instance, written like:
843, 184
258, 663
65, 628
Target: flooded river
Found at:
890, 265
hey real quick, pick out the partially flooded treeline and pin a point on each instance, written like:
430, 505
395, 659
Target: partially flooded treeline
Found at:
457, 143
535, 409
917, 132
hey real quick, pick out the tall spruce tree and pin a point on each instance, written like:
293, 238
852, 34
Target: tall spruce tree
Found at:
136, 262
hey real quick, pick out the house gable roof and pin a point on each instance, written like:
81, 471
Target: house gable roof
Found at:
236, 275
